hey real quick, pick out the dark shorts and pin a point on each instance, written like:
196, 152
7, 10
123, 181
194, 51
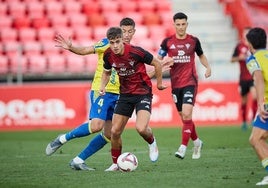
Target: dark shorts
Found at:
127, 103
185, 95
245, 86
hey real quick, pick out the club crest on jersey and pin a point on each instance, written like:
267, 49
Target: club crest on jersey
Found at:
187, 45
131, 62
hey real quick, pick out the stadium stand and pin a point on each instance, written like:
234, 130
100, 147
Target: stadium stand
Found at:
28, 28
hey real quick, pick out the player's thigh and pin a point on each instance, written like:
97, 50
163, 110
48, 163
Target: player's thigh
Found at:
142, 119
118, 123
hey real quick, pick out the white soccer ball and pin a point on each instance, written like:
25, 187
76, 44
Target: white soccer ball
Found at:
127, 162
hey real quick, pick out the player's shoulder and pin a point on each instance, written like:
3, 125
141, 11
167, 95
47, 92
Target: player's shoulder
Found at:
102, 44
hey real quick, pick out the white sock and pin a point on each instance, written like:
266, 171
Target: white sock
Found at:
62, 139
78, 160
197, 142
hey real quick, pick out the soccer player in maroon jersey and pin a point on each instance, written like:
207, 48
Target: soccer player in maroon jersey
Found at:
184, 81
135, 91
240, 54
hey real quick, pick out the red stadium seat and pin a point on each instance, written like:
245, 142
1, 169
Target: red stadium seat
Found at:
77, 19
5, 22
4, 66
32, 48
21, 22
142, 32
27, 34
12, 48
95, 20
3, 9
36, 9
50, 49
8, 34
46, 34
59, 21
157, 32
56, 63
106, 7
91, 63
136, 16
37, 64
17, 9
18, 64
163, 6
99, 33
72, 7
83, 33
90, 8
125, 7
113, 18
65, 31
38, 23
75, 63
53, 8
146, 6
151, 18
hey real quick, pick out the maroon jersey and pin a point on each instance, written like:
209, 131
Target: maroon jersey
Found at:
183, 72
242, 48
131, 69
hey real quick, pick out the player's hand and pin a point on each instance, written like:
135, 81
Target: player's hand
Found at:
263, 112
161, 87
102, 92
167, 63
208, 72
62, 42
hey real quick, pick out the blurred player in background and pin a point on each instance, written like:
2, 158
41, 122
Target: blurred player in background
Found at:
257, 64
184, 81
241, 52
102, 107
135, 91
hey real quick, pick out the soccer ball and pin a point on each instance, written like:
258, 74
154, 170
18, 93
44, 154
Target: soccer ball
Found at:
127, 162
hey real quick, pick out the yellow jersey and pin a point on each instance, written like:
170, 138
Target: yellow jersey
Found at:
259, 61
113, 84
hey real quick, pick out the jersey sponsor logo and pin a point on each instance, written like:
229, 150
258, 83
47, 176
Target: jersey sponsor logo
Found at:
181, 52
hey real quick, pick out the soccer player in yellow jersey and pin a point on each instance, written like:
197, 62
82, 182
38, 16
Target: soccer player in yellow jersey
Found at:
257, 64
102, 107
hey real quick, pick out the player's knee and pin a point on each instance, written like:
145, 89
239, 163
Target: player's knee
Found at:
253, 141
96, 126
141, 130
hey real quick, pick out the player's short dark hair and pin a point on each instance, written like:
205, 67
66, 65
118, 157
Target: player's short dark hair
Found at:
127, 22
114, 33
257, 38
180, 16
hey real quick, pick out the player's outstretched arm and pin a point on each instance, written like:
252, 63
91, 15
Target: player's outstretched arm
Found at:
66, 44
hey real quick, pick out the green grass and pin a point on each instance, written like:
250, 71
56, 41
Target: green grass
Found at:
227, 161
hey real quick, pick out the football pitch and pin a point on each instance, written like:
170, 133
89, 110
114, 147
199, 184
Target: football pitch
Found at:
227, 161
